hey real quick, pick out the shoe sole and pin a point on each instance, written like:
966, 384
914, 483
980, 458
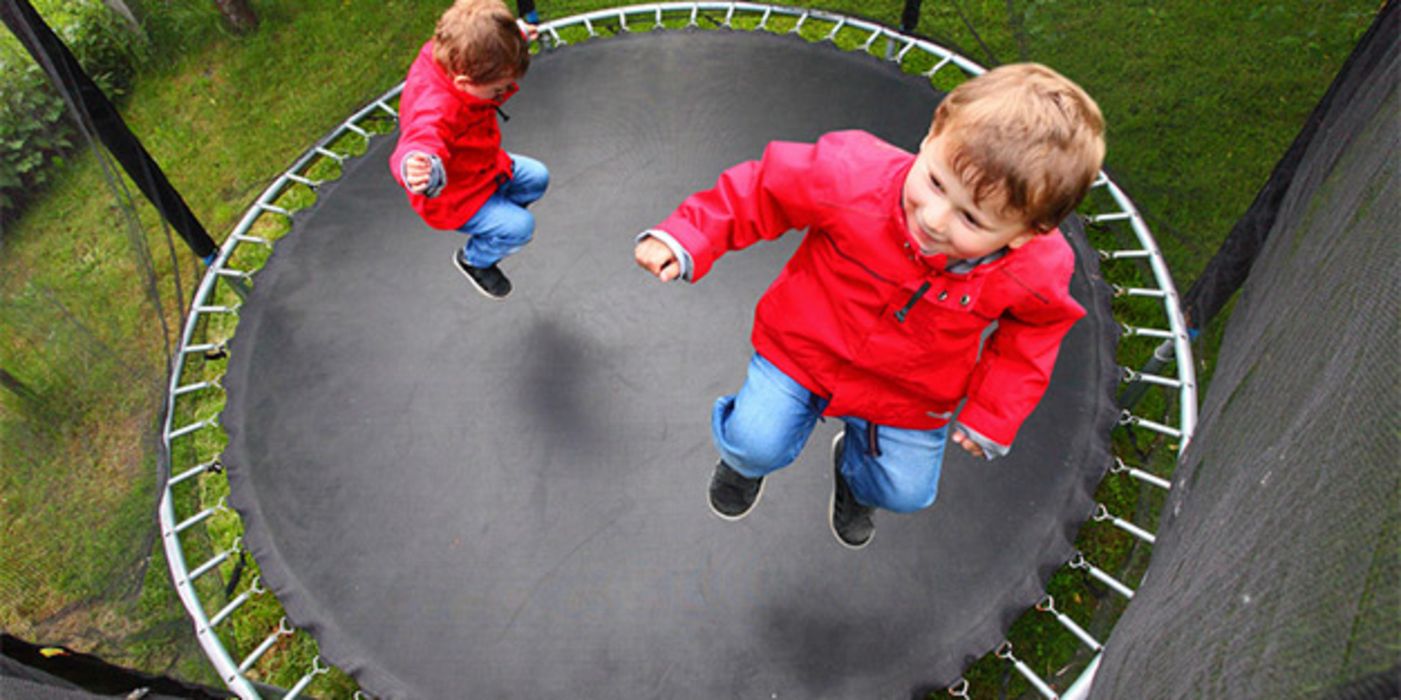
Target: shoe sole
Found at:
477, 286
732, 518
832, 504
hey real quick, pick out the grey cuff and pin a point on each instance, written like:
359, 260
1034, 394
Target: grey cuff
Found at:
675, 246
437, 177
991, 450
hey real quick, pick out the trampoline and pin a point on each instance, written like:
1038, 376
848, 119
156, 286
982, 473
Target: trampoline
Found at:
464, 498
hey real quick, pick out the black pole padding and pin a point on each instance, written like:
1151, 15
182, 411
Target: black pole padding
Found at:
70, 80
909, 19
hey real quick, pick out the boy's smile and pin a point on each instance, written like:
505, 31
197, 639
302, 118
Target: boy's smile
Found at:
942, 216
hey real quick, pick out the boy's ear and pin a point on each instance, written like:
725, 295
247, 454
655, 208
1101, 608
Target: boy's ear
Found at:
461, 82
1022, 239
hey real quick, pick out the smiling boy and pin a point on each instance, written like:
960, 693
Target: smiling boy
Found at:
878, 316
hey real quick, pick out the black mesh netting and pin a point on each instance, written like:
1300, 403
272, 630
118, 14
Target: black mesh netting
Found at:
1278, 571
88, 317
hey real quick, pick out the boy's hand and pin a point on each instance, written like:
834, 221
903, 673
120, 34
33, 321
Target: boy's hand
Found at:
417, 171
655, 257
530, 31
967, 443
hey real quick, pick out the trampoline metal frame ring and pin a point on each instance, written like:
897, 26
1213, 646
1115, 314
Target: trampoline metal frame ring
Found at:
899, 46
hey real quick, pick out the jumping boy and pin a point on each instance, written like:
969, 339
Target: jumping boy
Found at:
907, 260
449, 155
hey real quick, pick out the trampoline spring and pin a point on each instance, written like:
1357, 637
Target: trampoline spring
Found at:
186, 430
658, 24
798, 26
1139, 292
198, 386
836, 28
1146, 332
1127, 418
623, 22
589, 26
275, 209
318, 667
218, 347
229, 609
942, 62
216, 309
1131, 376
281, 631
1079, 562
192, 472
358, 130
252, 239
310, 183
1004, 652
959, 689
392, 112
1116, 216
695, 10
1102, 514
1124, 254
235, 274
330, 154
729, 17
559, 40
870, 40
764, 20
1120, 468
1048, 605
254, 589
208, 566
900, 57
197, 518
1100, 180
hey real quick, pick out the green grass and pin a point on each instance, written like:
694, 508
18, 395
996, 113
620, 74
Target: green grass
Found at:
1200, 98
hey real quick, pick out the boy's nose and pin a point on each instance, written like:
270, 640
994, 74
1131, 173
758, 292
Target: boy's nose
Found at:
934, 215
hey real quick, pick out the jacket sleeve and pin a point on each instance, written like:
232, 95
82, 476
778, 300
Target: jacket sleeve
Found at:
1017, 361
421, 129
751, 201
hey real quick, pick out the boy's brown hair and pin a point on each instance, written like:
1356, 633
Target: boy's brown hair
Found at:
1027, 135
481, 40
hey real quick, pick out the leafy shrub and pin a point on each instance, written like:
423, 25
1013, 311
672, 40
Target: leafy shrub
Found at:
35, 130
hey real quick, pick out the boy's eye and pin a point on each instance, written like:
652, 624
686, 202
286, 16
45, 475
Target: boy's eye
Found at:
935, 182
968, 218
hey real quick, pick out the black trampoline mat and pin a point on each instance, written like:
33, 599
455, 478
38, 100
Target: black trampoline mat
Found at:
466, 498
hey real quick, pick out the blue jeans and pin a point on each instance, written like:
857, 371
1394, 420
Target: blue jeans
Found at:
503, 226
763, 428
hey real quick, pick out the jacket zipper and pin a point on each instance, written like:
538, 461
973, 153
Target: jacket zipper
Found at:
914, 298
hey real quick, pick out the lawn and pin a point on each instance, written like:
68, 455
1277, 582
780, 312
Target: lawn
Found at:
1200, 98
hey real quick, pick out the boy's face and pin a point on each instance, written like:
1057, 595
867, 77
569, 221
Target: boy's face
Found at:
942, 216
490, 91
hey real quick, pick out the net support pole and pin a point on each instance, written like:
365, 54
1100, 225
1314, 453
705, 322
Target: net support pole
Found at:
909, 18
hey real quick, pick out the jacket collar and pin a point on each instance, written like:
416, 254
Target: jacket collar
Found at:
933, 263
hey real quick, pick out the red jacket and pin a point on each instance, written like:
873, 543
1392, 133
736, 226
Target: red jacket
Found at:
858, 316
438, 119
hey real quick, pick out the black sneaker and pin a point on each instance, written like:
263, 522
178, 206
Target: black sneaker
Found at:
851, 522
733, 495
490, 281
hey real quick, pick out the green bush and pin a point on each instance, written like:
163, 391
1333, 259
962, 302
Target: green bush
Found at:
36, 132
